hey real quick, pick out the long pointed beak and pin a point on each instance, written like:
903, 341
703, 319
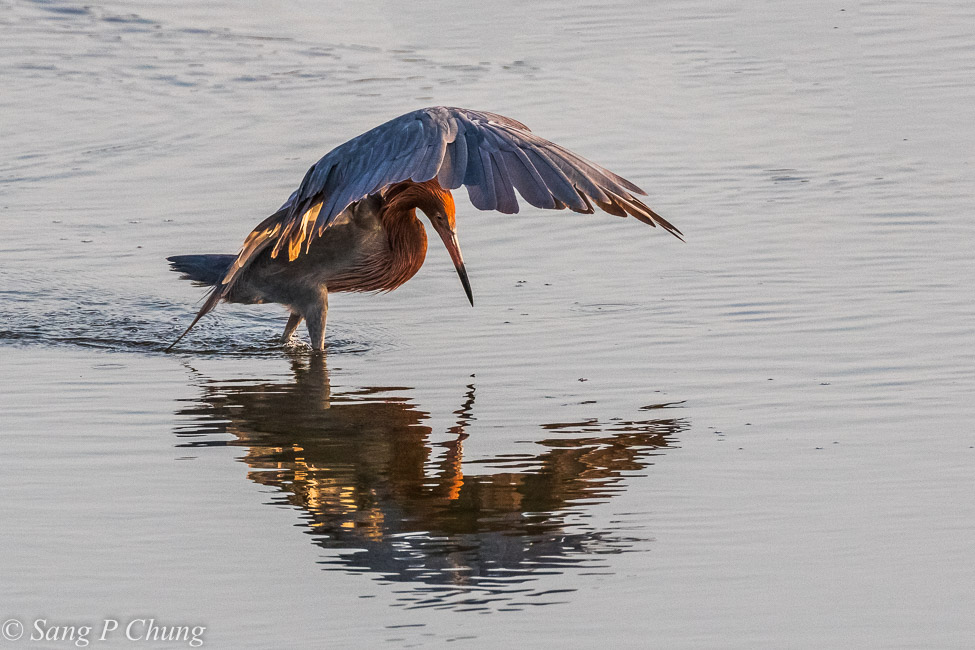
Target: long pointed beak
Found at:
453, 247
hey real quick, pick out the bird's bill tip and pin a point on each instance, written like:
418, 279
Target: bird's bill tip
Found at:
453, 248
461, 269
462, 272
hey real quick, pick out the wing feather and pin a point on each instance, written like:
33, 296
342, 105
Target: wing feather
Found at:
454, 167
527, 180
555, 181
507, 202
566, 188
489, 196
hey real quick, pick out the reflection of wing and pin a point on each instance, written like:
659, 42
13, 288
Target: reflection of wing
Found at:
491, 154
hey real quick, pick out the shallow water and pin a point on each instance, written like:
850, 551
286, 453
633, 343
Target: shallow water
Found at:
759, 438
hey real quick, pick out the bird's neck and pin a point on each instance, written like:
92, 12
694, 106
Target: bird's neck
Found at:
407, 236
407, 245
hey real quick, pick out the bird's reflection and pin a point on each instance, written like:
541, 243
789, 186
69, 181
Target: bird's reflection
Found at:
373, 484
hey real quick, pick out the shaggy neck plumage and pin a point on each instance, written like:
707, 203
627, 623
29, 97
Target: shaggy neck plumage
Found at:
407, 236
407, 244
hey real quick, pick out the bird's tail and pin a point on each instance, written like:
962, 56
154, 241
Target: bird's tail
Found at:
205, 270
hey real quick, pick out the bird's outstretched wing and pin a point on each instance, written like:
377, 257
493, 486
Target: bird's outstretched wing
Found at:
491, 154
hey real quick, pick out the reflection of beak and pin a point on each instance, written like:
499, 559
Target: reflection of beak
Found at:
453, 247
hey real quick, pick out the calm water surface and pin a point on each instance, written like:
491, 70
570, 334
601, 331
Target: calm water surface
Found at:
760, 438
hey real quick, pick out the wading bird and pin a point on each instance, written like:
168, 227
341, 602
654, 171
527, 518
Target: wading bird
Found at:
352, 226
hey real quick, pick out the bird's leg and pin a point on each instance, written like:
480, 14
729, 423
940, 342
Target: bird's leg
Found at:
315, 316
290, 328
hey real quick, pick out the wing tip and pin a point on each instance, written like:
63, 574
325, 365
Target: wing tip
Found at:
642, 212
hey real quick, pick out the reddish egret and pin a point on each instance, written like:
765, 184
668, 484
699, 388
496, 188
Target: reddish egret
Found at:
352, 226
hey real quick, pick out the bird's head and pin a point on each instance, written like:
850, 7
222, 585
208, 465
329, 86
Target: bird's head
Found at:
440, 210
